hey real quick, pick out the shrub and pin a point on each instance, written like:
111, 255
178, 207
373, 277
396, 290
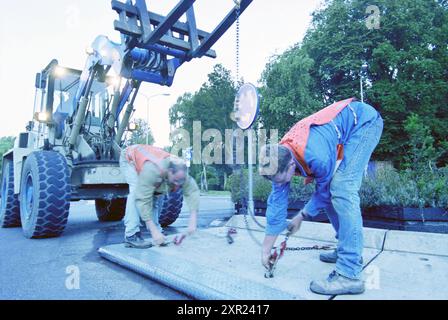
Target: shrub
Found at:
408, 188
239, 187
300, 191
213, 181
262, 188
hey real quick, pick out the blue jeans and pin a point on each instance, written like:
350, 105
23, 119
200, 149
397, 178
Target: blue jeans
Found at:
132, 221
344, 211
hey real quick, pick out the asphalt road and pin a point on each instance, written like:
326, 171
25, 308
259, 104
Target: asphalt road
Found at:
69, 267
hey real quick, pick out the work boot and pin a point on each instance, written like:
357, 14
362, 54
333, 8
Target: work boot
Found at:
332, 257
136, 241
337, 284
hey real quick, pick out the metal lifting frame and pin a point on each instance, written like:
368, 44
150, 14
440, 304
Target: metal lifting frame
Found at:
147, 35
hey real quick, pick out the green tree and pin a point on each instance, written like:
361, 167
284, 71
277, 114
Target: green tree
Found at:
422, 153
286, 90
139, 135
6, 143
212, 105
407, 58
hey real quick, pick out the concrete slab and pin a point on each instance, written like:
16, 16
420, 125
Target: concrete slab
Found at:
295, 270
213, 203
399, 265
417, 242
188, 277
405, 276
207, 267
373, 238
205, 215
210, 208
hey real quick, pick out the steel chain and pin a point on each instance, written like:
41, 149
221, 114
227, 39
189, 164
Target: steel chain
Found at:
238, 13
309, 248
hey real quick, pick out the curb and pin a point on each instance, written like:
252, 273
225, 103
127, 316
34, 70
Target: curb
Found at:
380, 239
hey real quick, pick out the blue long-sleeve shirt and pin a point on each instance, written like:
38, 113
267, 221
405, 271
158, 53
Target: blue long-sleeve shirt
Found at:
320, 156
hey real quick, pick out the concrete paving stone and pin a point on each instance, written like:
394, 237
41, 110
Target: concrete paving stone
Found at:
417, 242
373, 238
206, 266
207, 203
405, 276
189, 277
205, 218
295, 270
412, 265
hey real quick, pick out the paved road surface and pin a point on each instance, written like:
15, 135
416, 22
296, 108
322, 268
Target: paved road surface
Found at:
43, 269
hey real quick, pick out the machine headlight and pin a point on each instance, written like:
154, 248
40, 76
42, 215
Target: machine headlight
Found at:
41, 117
90, 51
132, 126
59, 72
115, 82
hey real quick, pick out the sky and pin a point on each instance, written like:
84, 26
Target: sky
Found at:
32, 33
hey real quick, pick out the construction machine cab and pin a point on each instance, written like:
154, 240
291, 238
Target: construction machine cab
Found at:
56, 103
72, 146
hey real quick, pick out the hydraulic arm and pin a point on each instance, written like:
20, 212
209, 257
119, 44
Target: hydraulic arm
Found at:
152, 48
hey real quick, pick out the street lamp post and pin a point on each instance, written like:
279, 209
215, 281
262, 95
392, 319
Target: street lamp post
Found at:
361, 82
362, 74
147, 109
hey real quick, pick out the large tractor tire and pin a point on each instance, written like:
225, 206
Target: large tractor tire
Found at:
10, 209
44, 195
171, 208
110, 210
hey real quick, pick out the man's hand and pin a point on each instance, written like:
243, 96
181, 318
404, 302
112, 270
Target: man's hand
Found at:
191, 229
265, 259
156, 235
158, 238
295, 224
268, 244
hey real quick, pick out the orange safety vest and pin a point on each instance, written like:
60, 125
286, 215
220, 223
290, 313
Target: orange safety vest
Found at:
297, 138
139, 154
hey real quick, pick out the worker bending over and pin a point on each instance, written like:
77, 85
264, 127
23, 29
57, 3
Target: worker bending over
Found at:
152, 173
333, 147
